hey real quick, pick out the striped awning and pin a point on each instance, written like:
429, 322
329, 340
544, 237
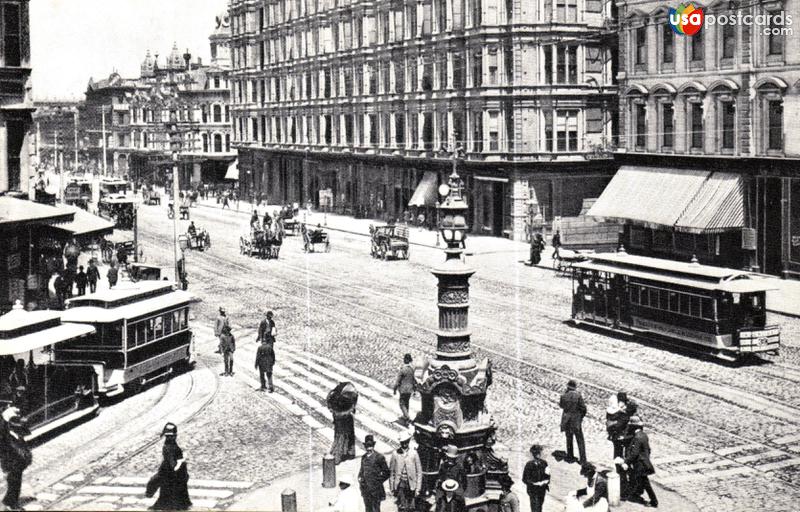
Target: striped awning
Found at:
718, 206
649, 196
425, 194
687, 200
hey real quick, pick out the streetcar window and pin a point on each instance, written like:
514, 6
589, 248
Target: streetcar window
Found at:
634, 293
707, 308
694, 306
167, 324
150, 329
176, 320
686, 304
140, 333
158, 327
645, 299
184, 320
131, 335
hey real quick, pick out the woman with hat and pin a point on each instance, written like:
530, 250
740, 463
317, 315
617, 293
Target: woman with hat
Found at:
173, 477
536, 477
450, 499
637, 457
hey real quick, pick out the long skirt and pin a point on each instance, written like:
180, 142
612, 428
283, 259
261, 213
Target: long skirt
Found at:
344, 438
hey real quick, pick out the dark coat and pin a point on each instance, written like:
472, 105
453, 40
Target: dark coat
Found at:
93, 274
405, 383
637, 456
173, 485
227, 343
265, 329
112, 275
616, 424
374, 471
452, 469
265, 357
574, 411
15, 455
454, 505
536, 471
81, 279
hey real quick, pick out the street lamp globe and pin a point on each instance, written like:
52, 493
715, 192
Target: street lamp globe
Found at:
453, 212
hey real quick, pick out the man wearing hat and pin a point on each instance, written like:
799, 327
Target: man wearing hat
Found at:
227, 344
15, 456
637, 458
348, 499
571, 420
373, 473
450, 499
508, 500
267, 329
451, 469
536, 477
219, 325
405, 473
405, 385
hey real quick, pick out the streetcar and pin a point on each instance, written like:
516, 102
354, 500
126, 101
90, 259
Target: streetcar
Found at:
48, 393
710, 309
142, 334
113, 187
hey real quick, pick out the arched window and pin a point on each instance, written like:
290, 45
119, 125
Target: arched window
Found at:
724, 101
227, 113
205, 113
227, 142
770, 115
205, 143
217, 114
217, 143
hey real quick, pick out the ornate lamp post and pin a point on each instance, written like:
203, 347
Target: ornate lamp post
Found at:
453, 384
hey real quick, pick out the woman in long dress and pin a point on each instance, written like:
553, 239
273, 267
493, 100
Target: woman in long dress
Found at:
342, 404
172, 478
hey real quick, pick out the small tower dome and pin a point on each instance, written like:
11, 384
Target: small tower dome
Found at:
175, 59
148, 66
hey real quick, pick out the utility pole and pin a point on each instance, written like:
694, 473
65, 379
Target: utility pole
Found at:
75, 116
38, 143
55, 160
105, 168
61, 176
175, 147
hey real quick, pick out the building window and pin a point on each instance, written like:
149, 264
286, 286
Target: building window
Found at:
728, 41
373, 130
477, 67
697, 47
667, 45
492, 63
640, 114
567, 130
227, 142
548, 64
667, 125
427, 131
696, 125
400, 128
476, 13
217, 113
217, 143
567, 70
567, 11
548, 130
775, 39
494, 130
458, 70
12, 37
641, 46
205, 141
728, 123
477, 131
775, 125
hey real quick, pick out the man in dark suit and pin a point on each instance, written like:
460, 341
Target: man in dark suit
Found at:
450, 499
15, 455
571, 420
266, 328
227, 347
374, 472
536, 477
405, 385
265, 360
450, 468
637, 457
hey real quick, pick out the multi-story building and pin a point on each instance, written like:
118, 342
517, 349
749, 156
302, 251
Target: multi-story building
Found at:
16, 102
137, 115
709, 159
348, 103
56, 128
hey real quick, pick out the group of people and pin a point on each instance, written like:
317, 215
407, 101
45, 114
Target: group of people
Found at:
265, 354
631, 446
538, 245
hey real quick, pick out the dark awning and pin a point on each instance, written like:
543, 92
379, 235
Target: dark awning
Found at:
425, 194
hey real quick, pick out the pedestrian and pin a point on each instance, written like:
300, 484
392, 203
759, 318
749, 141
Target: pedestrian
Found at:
574, 410
509, 502
617, 428
405, 385
122, 256
556, 241
373, 473
265, 360
594, 496
80, 281
227, 347
348, 499
267, 329
93, 275
219, 325
450, 499
225, 201
405, 474
637, 458
450, 468
536, 477
112, 275
15, 455
172, 478
342, 402
537, 246
58, 286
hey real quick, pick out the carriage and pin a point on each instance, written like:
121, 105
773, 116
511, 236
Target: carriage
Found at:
707, 309
314, 237
151, 197
389, 241
199, 239
265, 244
288, 218
119, 209
184, 211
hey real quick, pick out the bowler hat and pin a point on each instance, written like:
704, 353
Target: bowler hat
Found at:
449, 485
572, 384
170, 429
635, 421
536, 449
369, 440
221, 310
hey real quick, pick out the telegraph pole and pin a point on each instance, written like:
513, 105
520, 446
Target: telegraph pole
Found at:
105, 167
75, 116
175, 147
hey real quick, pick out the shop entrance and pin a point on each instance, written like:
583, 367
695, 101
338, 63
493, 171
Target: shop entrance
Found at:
771, 226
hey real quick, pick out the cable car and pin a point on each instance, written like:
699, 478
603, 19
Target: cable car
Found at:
49, 394
142, 334
113, 187
717, 310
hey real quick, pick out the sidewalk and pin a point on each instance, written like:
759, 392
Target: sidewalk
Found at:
785, 299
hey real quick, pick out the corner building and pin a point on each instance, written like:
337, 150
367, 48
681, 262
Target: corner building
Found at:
709, 138
347, 104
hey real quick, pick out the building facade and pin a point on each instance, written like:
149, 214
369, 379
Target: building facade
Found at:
713, 114
136, 116
16, 102
56, 134
348, 104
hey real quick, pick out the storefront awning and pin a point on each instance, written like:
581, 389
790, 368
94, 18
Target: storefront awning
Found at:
687, 200
651, 196
16, 213
85, 223
718, 206
233, 171
425, 194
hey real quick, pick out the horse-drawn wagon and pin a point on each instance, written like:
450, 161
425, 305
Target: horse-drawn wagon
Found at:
314, 237
389, 241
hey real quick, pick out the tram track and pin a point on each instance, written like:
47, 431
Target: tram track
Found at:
515, 367
149, 424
